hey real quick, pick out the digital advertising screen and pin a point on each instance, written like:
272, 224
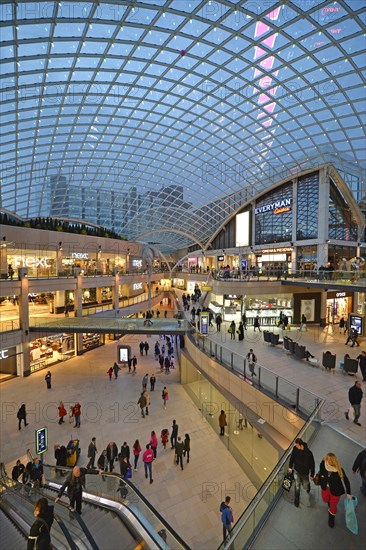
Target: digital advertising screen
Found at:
124, 353
356, 322
41, 440
204, 322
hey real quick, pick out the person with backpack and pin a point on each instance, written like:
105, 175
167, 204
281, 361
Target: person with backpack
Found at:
226, 517
22, 415
359, 465
39, 536
252, 359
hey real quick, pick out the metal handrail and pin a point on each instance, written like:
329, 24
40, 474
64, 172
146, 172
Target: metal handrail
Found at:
265, 487
65, 531
151, 508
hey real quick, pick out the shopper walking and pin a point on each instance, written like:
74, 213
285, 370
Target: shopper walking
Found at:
362, 363
148, 401
241, 331
218, 322
141, 346
48, 380
222, 422
110, 372
142, 402
77, 414
187, 446
146, 347
302, 462
102, 462
257, 324
154, 442
232, 329
179, 449
134, 363
252, 359
226, 516
303, 323
355, 395
112, 453
92, 451
75, 482
116, 370
125, 451
152, 382
147, 459
164, 437
174, 434
22, 415
61, 413
165, 396
332, 481
136, 450
144, 381
359, 465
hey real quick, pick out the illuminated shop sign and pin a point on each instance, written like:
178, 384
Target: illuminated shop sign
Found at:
275, 250
137, 286
137, 263
220, 258
4, 353
277, 207
32, 261
80, 255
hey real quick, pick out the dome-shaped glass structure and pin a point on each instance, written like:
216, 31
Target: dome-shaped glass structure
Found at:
142, 116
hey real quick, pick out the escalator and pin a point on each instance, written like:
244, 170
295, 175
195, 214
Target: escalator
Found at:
108, 521
11, 536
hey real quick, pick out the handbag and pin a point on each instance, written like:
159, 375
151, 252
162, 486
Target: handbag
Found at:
350, 514
316, 479
288, 481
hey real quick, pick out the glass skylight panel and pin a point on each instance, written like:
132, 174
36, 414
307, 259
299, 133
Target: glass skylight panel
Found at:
97, 30
87, 62
90, 47
169, 21
74, 10
68, 47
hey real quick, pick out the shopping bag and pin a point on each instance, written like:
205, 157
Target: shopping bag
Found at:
128, 473
350, 513
288, 481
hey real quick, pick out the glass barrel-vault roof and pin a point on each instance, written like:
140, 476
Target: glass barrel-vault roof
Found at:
140, 115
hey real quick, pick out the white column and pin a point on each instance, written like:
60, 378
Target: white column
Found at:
323, 217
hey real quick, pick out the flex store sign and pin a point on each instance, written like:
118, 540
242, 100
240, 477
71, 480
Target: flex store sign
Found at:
37, 262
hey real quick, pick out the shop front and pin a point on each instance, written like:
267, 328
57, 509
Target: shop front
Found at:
39, 263
51, 350
268, 308
179, 283
91, 341
275, 261
339, 304
8, 363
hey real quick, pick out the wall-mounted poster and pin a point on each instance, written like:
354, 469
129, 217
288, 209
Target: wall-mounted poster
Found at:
308, 309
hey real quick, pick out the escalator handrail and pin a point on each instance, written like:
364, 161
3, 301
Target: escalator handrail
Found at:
139, 494
60, 522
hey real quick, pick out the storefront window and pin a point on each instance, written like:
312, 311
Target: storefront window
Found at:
50, 350
39, 263
307, 206
273, 216
341, 224
91, 341
339, 304
268, 309
307, 258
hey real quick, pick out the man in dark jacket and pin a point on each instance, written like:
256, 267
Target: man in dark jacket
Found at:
17, 471
359, 465
355, 395
74, 483
92, 451
302, 462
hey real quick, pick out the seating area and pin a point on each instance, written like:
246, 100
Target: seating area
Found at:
349, 366
299, 351
329, 361
272, 338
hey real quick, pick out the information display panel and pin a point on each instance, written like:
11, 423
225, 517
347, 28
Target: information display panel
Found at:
204, 323
123, 354
41, 440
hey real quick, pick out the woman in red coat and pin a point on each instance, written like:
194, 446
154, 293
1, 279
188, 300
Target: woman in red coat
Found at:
61, 413
334, 483
153, 442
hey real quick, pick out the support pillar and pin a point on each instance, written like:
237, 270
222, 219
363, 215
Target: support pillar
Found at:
24, 318
78, 306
